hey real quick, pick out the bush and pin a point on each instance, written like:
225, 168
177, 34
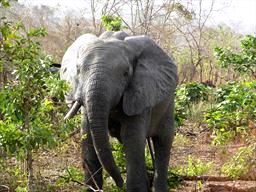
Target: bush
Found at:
111, 23
235, 107
193, 168
186, 95
30, 119
243, 62
242, 163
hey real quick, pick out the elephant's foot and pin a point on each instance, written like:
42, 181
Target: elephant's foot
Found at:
139, 189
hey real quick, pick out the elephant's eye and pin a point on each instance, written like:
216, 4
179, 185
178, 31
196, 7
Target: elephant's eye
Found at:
126, 73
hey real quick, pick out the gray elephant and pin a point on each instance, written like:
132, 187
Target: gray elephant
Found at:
124, 87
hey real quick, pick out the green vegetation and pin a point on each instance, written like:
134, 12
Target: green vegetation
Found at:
26, 105
194, 168
30, 116
5, 3
243, 62
187, 95
229, 111
234, 109
111, 23
241, 163
31, 107
71, 174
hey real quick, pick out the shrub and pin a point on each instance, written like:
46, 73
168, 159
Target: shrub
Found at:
193, 168
243, 62
186, 95
235, 107
29, 118
242, 163
111, 23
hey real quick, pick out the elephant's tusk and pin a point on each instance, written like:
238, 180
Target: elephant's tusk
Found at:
71, 113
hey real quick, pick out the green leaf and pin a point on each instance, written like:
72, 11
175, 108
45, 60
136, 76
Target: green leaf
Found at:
5, 3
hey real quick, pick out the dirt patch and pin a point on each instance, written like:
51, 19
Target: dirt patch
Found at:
198, 145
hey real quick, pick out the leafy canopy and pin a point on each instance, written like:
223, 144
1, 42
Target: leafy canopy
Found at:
186, 95
243, 62
5, 3
235, 108
26, 106
111, 23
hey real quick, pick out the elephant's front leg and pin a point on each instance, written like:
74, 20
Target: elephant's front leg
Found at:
133, 133
91, 165
162, 145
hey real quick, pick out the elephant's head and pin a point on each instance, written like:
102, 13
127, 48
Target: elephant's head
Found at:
111, 69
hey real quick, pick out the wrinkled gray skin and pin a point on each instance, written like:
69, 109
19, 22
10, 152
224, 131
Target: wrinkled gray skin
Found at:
125, 87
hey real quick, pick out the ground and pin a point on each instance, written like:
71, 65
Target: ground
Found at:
51, 165
198, 145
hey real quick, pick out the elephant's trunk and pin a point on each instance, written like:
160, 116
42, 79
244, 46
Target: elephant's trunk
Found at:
98, 106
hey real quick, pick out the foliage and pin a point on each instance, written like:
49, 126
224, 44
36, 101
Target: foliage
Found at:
71, 174
186, 95
111, 23
243, 62
173, 179
118, 153
5, 3
31, 98
26, 104
235, 101
193, 167
9, 174
181, 140
235, 108
148, 159
183, 11
242, 163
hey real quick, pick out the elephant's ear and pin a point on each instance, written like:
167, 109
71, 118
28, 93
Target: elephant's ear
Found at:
154, 77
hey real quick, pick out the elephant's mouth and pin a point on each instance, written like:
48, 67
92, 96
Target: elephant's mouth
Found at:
73, 110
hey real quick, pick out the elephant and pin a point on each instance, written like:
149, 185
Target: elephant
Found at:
124, 86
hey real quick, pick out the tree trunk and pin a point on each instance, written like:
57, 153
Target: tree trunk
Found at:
29, 162
29, 158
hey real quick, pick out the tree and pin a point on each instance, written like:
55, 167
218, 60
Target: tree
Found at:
192, 30
111, 23
243, 62
99, 8
5, 3
29, 115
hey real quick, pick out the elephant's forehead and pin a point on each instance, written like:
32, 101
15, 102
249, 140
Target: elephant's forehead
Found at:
106, 50
70, 58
